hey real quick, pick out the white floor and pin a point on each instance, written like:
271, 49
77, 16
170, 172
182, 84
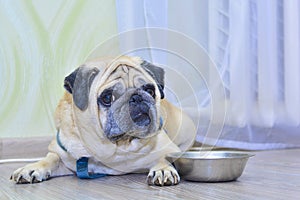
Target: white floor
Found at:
268, 175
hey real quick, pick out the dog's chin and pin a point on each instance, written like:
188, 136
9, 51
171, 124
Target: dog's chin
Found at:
122, 137
117, 138
129, 136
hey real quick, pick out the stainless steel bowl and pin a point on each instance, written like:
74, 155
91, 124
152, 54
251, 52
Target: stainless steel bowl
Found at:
210, 166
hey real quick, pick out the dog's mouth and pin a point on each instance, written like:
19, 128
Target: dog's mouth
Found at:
122, 137
141, 119
117, 137
139, 110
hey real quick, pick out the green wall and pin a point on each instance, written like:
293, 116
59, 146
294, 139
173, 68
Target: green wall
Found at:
41, 41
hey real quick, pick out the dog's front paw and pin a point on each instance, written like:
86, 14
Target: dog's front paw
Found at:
163, 177
32, 173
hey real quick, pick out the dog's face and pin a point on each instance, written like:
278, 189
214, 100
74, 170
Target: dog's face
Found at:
128, 98
128, 104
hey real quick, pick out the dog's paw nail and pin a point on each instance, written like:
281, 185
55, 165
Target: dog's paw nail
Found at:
166, 177
175, 178
19, 178
32, 179
158, 182
48, 175
168, 182
22, 180
149, 180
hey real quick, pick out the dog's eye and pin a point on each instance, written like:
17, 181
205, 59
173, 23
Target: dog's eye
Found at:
106, 98
150, 89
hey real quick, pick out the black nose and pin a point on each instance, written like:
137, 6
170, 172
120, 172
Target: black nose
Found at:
136, 99
139, 110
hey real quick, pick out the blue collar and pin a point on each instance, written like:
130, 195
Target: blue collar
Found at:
82, 169
81, 164
59, 142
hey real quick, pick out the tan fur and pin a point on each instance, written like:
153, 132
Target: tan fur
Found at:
83, 138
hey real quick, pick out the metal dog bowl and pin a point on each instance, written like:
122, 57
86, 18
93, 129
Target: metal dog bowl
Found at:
210, 166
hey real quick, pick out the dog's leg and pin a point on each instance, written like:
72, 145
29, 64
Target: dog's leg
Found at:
163, 174
41, 170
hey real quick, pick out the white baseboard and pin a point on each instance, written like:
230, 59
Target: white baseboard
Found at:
11, 148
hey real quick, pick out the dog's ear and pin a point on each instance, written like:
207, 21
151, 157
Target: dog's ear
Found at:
157, 73
78, 83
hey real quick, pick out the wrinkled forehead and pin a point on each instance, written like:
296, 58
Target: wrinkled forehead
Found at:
124, 77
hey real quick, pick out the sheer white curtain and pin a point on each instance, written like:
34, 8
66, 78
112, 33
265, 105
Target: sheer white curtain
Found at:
255, 46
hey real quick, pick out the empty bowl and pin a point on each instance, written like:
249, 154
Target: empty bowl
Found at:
210, 166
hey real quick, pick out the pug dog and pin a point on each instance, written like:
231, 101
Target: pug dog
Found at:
112, 120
